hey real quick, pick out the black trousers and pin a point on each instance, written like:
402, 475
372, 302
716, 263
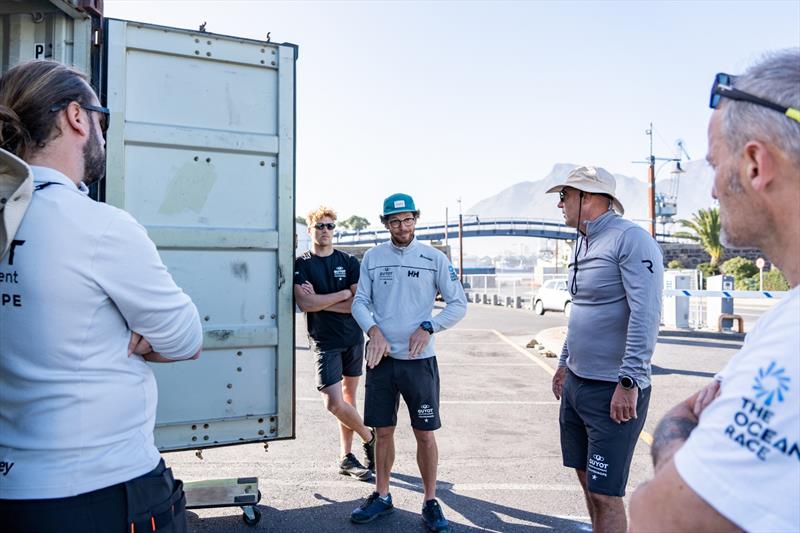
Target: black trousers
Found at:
101, 511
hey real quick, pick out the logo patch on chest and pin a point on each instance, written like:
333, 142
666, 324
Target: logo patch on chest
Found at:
386, 274
339, 272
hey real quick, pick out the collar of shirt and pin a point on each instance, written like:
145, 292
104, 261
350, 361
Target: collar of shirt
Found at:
597, 225
403, 249
45, 174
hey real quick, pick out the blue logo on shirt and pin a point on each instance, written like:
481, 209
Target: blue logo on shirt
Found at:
771, 384
453, 275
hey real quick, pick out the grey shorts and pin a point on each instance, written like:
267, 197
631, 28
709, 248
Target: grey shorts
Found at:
331, 365
591, 441
417, 380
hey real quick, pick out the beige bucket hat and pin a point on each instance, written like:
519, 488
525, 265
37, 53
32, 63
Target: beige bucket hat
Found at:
592, 179
16, 189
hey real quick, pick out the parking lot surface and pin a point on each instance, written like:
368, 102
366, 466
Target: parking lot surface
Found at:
500, 461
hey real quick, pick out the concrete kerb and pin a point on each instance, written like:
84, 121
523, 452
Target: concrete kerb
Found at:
550, 341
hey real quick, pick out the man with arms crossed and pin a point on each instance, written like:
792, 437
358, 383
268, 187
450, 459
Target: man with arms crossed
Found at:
77, 398
394, 305
727, 458
325, 281
603, 376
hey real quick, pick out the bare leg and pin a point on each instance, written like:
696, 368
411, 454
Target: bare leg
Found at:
346, 414
384, 459
428, 461
589, 504
609, 514
349, 392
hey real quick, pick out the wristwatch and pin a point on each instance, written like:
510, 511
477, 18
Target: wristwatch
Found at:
626, 382
427, 326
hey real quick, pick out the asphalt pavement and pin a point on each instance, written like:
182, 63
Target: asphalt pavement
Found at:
500, 462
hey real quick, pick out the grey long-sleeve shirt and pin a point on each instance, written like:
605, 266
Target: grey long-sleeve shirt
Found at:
397, 288
613, 325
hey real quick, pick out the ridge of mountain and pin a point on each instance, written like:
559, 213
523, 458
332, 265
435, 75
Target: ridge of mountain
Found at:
528, 199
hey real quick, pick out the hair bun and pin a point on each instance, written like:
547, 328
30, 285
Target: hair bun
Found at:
14, 136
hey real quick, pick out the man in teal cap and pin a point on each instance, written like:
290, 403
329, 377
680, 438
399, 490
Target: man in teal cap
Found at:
397, 287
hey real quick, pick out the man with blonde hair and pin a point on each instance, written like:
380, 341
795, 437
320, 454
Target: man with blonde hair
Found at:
325, 281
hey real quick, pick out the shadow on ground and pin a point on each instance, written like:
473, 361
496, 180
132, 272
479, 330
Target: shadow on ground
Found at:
334, 515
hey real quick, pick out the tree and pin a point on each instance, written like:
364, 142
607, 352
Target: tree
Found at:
775, 281
355, 222
742, 270
705, 228
300, 220
675, 263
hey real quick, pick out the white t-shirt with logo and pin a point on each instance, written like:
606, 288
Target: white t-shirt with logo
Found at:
76, 412
744, 456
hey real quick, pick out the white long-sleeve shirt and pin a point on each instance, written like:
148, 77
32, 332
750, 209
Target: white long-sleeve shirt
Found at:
396, 291
76, 412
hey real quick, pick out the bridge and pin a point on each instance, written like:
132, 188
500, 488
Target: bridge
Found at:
492, 227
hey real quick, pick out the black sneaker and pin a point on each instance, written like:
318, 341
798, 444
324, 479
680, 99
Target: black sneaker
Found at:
349, 466
369, 451
372, 508
434, 517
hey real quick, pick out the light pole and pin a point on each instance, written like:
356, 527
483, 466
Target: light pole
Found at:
651, 181
460, 243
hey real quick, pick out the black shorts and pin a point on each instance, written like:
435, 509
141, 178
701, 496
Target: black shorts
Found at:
417, 380
332, 364
591, 441
155, 497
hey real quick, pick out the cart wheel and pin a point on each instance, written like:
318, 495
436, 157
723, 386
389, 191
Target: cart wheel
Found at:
251, 515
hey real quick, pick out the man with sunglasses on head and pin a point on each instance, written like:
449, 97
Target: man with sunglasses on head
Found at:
603, 375
728, 457
92, 304
394, 306
325, 281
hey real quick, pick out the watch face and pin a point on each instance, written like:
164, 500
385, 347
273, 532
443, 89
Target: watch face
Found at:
626, 382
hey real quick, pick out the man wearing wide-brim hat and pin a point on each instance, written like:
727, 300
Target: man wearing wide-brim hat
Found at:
603, 376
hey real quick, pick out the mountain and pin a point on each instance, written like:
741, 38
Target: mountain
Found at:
527, 199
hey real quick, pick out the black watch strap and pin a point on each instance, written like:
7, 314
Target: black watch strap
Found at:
427, 326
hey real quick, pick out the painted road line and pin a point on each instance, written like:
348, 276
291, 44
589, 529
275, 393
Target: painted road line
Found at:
646, 437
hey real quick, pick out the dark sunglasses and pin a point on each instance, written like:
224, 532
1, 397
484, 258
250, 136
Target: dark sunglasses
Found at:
105, 117
723, 87
322, 225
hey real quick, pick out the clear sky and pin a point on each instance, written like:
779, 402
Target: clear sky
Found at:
443, 100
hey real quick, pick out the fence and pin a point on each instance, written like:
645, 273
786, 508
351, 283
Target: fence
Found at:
519, 290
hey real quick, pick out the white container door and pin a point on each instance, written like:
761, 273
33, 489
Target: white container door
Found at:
201, 152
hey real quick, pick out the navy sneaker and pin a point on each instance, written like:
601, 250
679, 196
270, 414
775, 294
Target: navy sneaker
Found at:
369, 451
434, 517
349, 466
372, 508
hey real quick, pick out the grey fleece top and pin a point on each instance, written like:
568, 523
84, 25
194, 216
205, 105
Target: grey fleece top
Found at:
396, 290
613, 325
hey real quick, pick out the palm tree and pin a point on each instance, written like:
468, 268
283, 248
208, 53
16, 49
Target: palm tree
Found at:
706, 228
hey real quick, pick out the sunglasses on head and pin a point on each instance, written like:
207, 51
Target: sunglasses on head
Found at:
105, 113
723, 88
323, 225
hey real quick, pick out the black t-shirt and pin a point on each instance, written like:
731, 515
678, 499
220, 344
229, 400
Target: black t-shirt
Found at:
328, 330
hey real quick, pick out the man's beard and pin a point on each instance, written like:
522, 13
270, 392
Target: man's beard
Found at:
728, 238
94, 159
406, 242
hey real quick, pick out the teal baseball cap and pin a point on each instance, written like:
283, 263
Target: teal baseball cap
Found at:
398, 203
